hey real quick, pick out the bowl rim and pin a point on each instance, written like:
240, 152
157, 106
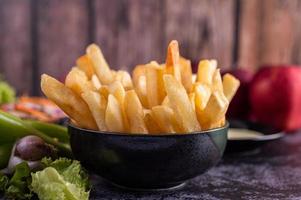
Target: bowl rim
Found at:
110, 133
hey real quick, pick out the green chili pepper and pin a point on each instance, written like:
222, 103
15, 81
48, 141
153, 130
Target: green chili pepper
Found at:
13, 128
52, 130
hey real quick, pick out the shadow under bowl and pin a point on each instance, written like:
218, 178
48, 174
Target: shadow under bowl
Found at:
148, 162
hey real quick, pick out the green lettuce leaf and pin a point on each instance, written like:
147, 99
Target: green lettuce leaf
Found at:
3, 182
17, 186
62, 179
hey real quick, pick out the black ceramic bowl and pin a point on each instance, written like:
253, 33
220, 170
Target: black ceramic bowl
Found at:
148, 161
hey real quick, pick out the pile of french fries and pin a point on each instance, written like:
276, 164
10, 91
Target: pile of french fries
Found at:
157, 99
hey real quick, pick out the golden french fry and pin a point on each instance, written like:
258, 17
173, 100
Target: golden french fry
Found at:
230, 85
217, 83
125, 78
202, 95
151, 123
153, 98
186, 73
165, 118
68, 101
193, 78
104, 91
113, 72
117, 89
77, 81
114, 118
217, 124
141, 90
138, 71
160, 82
166, 102
222, 122
179, 100
100, 65
217, 106
215, 109
134, 111
172, 65
85, 64
192, 99
72, 121
213, 63
95, 82
206, 70
154, 84
97, 105
139, 80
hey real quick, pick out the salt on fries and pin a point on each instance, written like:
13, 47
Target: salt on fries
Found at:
156, 99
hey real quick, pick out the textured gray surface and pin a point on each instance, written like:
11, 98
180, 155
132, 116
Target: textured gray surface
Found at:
274, 172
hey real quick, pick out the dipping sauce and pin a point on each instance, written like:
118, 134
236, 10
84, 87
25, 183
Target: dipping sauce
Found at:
238, 133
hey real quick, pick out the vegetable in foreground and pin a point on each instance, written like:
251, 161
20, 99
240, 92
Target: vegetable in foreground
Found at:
59, 179
28, 175
13, 128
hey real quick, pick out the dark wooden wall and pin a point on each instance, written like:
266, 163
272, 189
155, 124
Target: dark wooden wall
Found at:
46, 36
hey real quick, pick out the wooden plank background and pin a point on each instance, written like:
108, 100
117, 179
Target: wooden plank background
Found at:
46, 36
15, 43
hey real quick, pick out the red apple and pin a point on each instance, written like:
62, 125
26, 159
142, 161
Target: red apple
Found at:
275, 97
239, 107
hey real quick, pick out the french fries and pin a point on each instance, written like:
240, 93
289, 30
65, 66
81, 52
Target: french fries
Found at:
150, 122
193, 78
154, 84
116, 89
97, 105
186, 73
134, 111
179, 100
85, 64
206, 70
77, 81
172, 65
138, 71
202, 94
95, 82
125, 78
230, 85
217, 124
214, 111
113, 117
100, 65
141, 90
158, 98
192, 100
217, 84
165, 118
166, 102
68, 101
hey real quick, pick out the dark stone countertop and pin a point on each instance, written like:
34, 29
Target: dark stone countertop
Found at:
272, 172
